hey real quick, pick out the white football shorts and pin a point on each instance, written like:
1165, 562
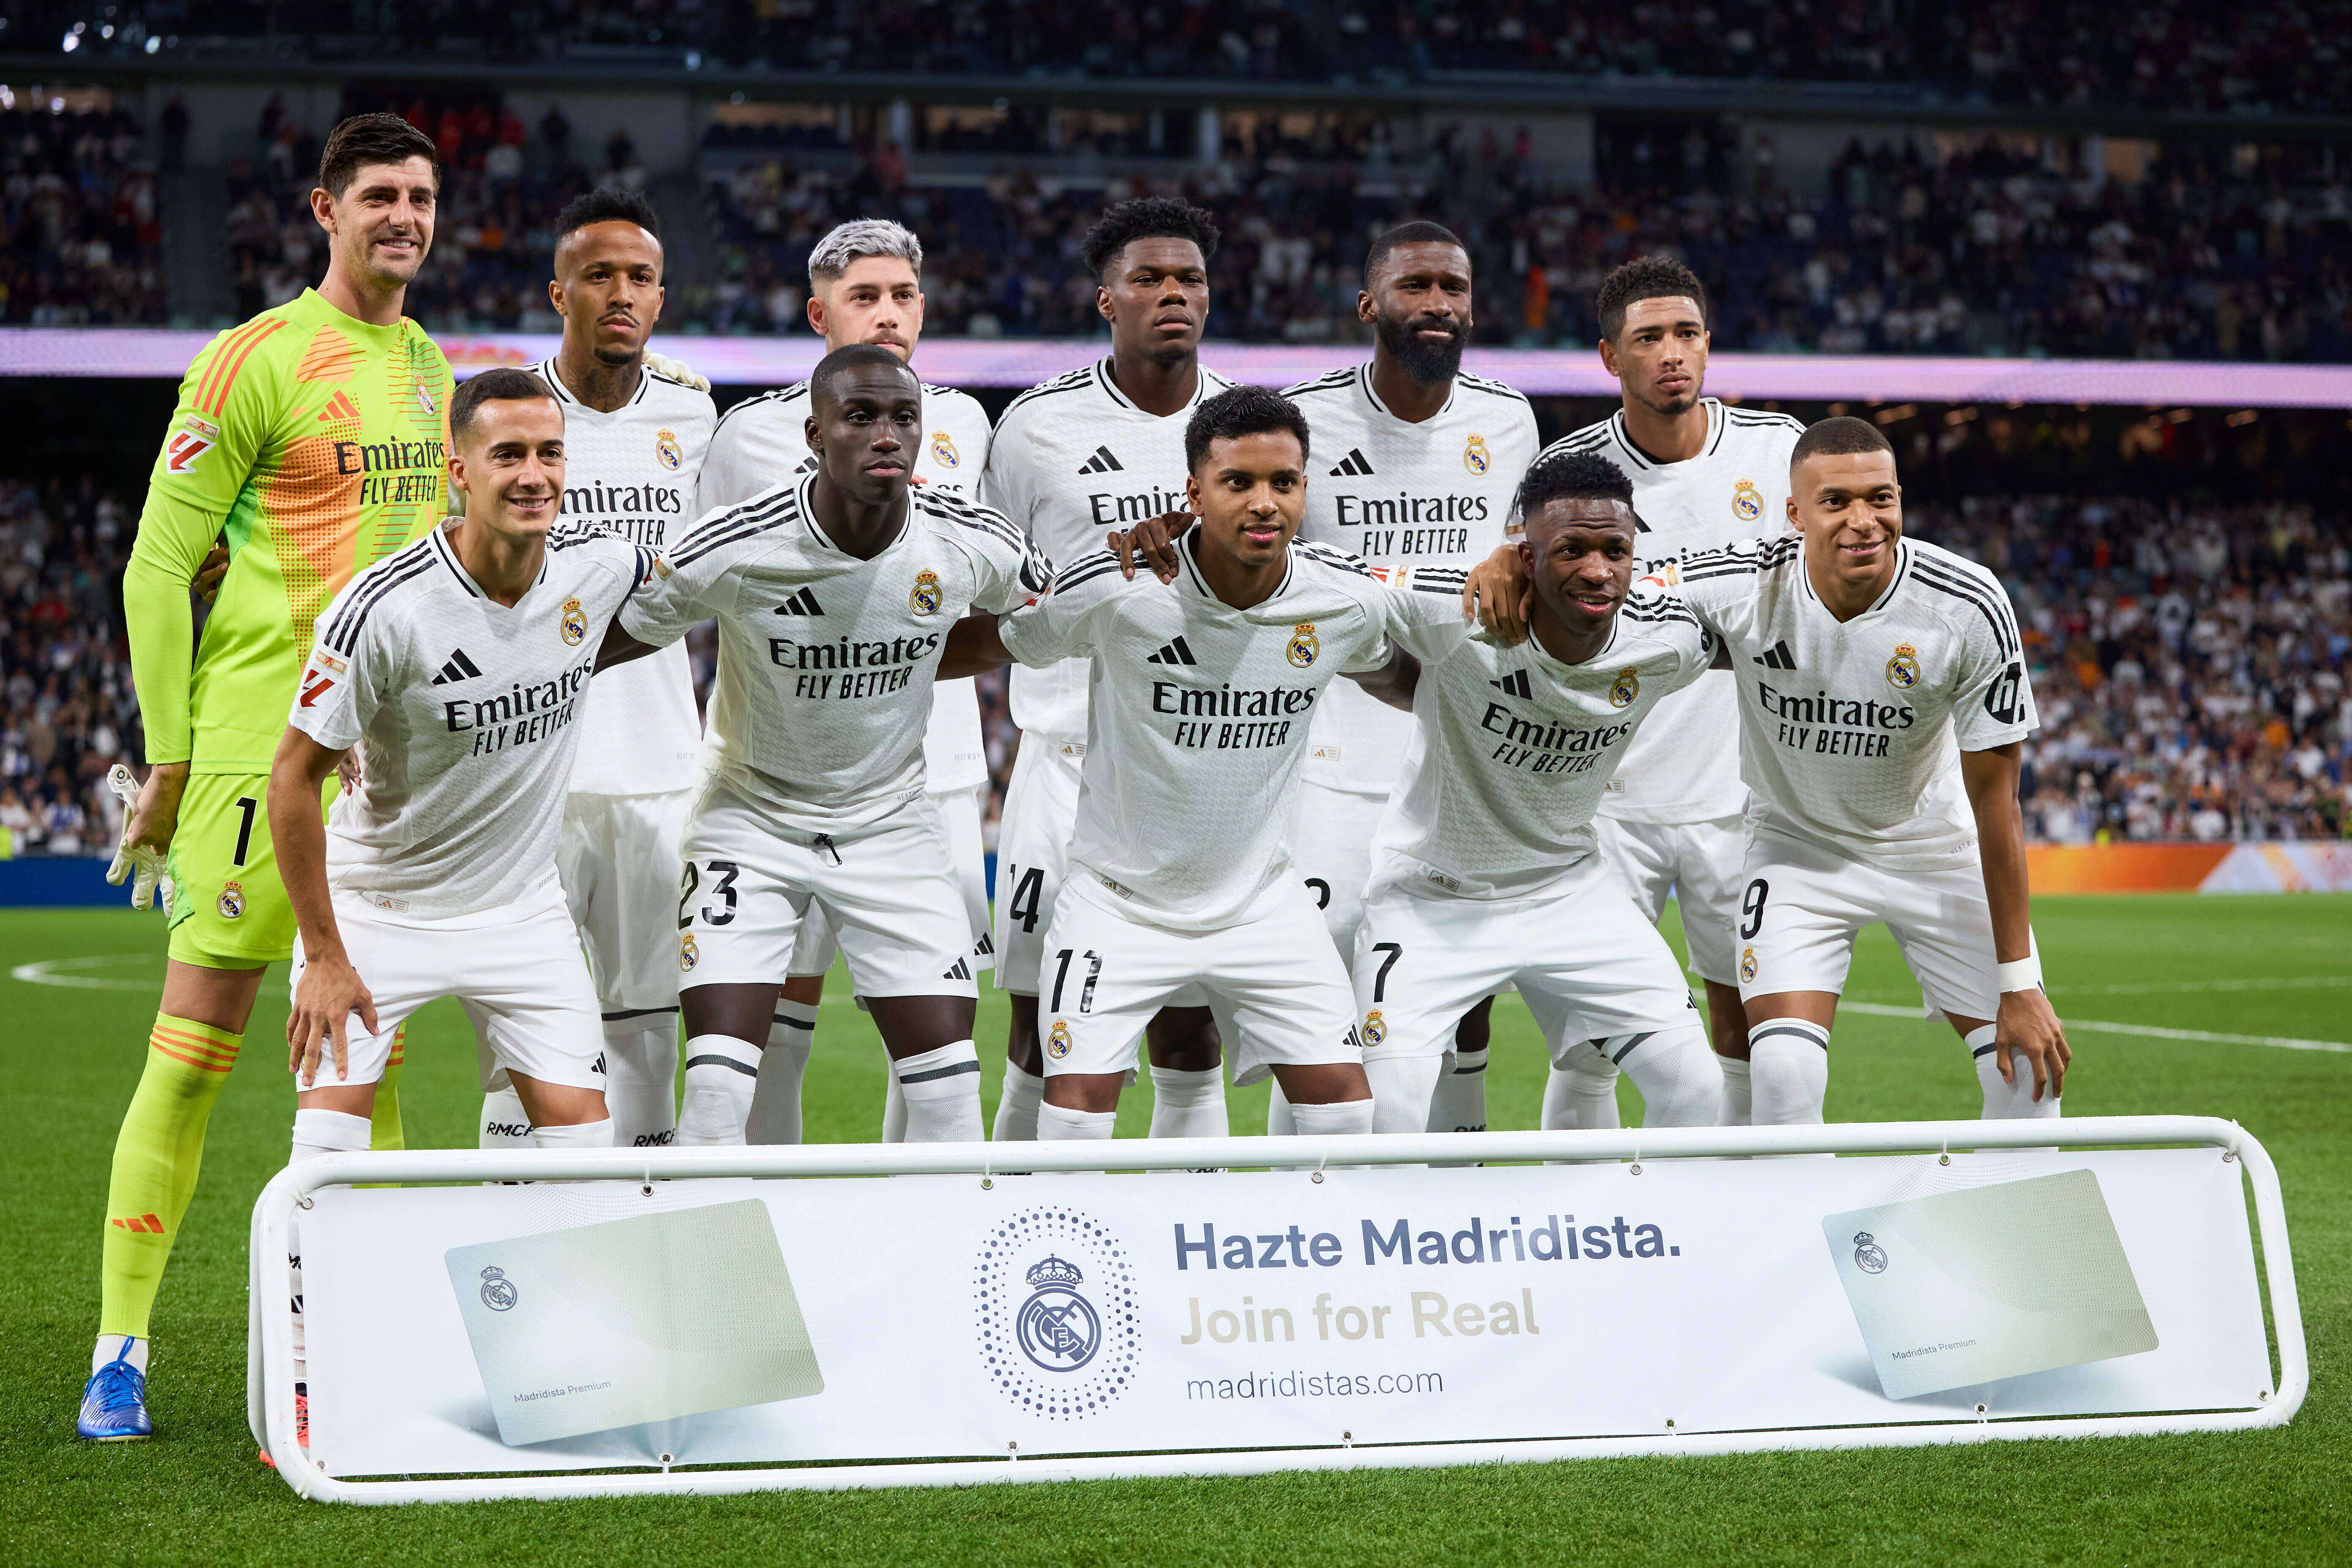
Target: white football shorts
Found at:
1033, 849
816, 947
1331, 852
1279, 989
517, 970
1590, 968
1802, 903
1699, 863
890, 889
619, 859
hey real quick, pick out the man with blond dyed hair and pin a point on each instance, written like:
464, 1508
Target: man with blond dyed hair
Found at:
865, 287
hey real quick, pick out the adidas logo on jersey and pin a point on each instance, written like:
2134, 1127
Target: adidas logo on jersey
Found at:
1776, 656
959, 969
458, 668
1102, 462
338, 408
1514, 685
1353, 464
801, 603
1176, 652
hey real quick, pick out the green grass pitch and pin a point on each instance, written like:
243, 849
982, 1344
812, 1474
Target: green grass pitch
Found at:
2250, 967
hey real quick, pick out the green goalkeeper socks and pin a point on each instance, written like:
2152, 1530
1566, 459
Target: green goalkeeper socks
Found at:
156, 1158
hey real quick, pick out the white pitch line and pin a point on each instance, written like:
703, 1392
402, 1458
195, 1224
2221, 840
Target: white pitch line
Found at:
44, 972
2155, 988
2104, 1026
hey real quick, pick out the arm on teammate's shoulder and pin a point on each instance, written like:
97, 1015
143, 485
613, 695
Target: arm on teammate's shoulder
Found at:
1060, 625
973, 646
1421, 608
1151, 542
2026, 1024
1394, 682
1497, 595
619, 647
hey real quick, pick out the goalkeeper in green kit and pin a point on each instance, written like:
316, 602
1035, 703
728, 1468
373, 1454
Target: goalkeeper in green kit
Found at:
314, 437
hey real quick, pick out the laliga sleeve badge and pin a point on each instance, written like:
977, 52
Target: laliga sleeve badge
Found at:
665, 447
1303, 646
1748, 964
661, 566
926, 598
689, 955
1625, 687
1747, 501
1474, 455
1376, 1028
575, 622
943, 450
232, 901
1903, 670
1057, 1040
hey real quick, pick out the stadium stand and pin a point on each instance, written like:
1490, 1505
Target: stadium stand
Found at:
80, 239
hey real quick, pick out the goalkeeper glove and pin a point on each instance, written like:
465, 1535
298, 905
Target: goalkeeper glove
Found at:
676, 370
150, 882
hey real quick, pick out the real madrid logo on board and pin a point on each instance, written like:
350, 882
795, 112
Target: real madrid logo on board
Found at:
925, 597
1058, 1041
232, 901
499, 1292
1747, 501
1868, 1255
943, 450
575, 622
1376, 1028
1058, 1327
1474, 455
1903, 670
1303, 646
689, 955
665, 447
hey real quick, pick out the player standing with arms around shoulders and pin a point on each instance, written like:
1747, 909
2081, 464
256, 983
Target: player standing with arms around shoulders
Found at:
633, 443
1883, 708
313, 437
1074, 458
834, 592
1704, 474
1200, 699
865, 286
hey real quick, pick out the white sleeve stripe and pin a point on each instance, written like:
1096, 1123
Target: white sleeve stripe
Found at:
343, 633
741, 522
2003, 630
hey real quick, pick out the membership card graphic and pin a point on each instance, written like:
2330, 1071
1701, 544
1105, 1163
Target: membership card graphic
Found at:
1966, 1287
650, 1319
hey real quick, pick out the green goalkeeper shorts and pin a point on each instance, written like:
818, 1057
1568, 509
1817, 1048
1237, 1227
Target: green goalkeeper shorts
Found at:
229, 911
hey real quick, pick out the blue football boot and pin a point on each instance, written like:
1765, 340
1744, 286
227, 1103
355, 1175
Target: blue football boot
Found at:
114, 1402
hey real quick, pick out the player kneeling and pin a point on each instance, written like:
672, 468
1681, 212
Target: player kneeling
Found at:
1198, 707
455, 668
1486, 871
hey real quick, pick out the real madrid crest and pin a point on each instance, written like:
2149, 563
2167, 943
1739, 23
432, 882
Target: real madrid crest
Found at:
1868, 1255
1303, 646
499, 1292
689, 955
1474, 455
925, 597
1057, 1040
232, 901
1625, 687
943, 450
1748, 964
1903, 670
1376, 1028
575, 622
667, 448
1747, 501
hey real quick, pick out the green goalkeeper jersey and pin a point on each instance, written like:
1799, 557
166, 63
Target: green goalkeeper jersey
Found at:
315, 442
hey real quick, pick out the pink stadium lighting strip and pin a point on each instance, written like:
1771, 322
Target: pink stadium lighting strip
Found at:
270, 1349
764, 362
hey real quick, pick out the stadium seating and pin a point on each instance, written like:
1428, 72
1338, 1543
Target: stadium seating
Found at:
80, 238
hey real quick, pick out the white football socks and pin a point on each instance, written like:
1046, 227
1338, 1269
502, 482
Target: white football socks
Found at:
1403, 1088
942, 1091
317, 1134
119, 1347
596, 1134
1582, 1096
505, 1123
1058, 1125
1016, 1107
776, 1099
1188, 1104
1458, 1103
1278, 1122
1674, 1070
1788, 1072
1342, 1117
722, 1073
641, 1080
2002, 1101
1739, 1106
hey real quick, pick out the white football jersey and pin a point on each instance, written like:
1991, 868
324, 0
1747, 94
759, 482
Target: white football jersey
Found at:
632, 473
466, 716
1073, 459
1683, 767
763, 440
1437, 493
1199, 715
825, 661
1514, 749
1849, 733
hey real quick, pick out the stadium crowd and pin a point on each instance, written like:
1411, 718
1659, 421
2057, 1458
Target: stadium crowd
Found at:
80, 238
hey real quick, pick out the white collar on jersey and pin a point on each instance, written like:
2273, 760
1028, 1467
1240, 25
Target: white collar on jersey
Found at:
804, 499
1364, 385
448, 555
1886, 594
547, 372
1187, 558
1110, 389
1715, 426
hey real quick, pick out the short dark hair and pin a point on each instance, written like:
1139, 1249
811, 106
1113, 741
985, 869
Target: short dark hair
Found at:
854, 357
1147, 217
1571, 475
1645, 277
1241, 411
1839, 437
606, 203
365, 139
1419, 231
504, 384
